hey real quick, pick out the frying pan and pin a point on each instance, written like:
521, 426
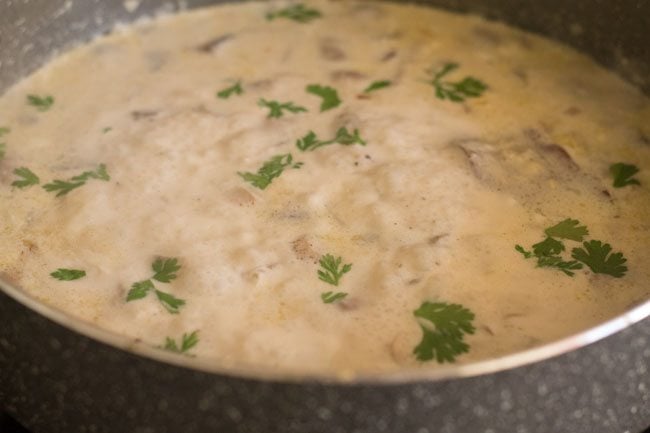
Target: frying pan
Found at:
58, 374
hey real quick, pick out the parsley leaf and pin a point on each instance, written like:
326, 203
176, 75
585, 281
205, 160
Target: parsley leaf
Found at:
188, 341
332, 270
4, 130
310, 142
468, 87
443, 334
68, 274
165, 269
376, 85
276, 107
330, 97
42, 103
169, 301
298, 12
235, 89
568, 229
270, 170
28, 178
331, 297
594, 254
525, 253
548, 247
139, 290
545, 252
107, 129
597, 256
345, 138
622, 174
62, 187
559, 263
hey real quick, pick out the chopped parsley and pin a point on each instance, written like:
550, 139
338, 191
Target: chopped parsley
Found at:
594, 254
63, 187
332, 269
188, 341
4, 130
330, 97
456, 91
568, 229
276, 108
443, 330
164, 272
270, 170
68, 274
42, 103
28, 178
299, 13
310, 142
597, 256
376, 85
235, 89
331, 297
622, 174
107, 129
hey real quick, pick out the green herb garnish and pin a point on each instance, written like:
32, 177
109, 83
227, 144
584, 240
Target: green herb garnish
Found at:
298, 12
42, 103
330, 97
68, 274
169, 301
276, 108
594, 254
270, 170
188, 341
107, 129
310, 142
622, 174
443, 330
164, 271
28, 178
376, 85
568, 229
332, 269
4, 130
546, 259
597, 256
468, 87
331, 297
62, 187
235, 89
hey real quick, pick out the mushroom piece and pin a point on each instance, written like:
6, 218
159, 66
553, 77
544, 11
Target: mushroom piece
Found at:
213, 44
304, 249
330, 50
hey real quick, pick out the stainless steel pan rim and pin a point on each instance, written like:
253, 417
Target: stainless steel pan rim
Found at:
250, 371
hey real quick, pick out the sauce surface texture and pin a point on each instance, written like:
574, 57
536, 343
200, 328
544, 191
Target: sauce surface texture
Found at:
331, 188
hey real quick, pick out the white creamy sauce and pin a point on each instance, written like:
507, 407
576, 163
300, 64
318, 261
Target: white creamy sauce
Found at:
430, 209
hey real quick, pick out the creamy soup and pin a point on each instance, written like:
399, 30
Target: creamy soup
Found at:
327, 187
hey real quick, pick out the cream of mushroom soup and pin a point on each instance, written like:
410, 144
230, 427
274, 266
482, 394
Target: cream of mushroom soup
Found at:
327, 187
